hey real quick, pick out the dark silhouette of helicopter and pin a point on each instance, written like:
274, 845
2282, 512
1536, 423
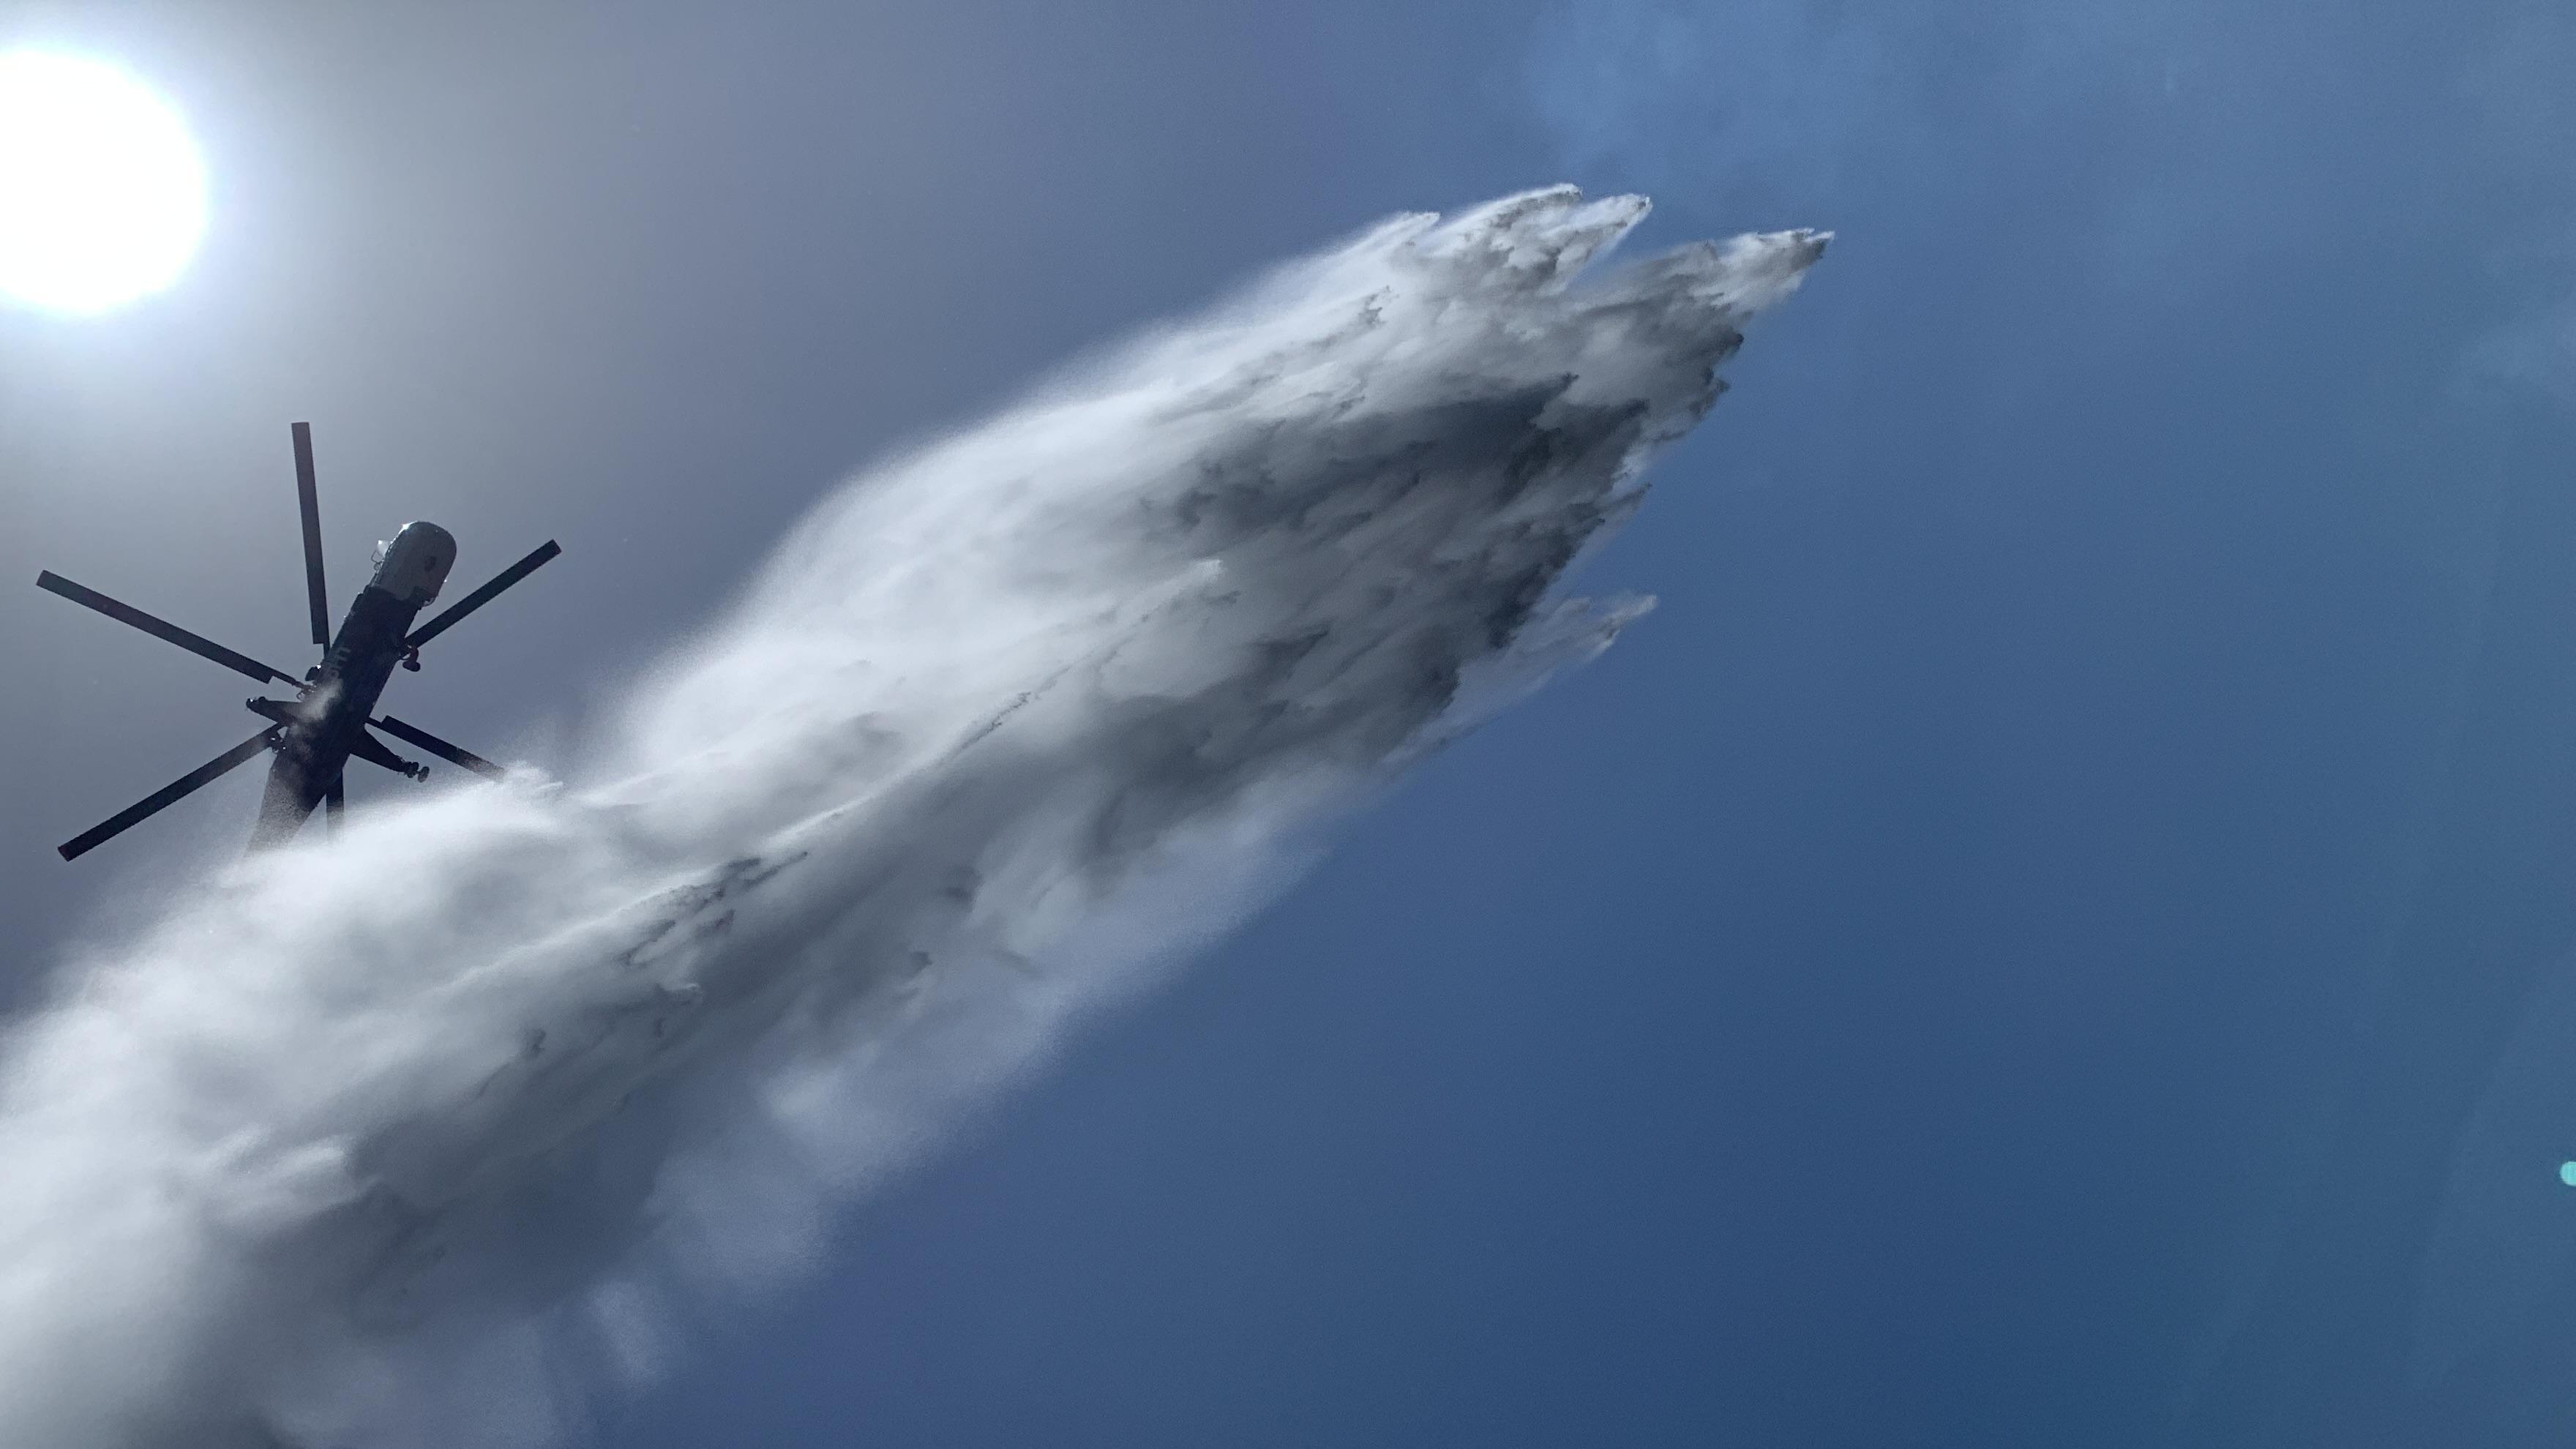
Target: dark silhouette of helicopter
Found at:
327, 724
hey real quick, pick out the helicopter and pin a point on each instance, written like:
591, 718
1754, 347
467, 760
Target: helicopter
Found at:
330, 721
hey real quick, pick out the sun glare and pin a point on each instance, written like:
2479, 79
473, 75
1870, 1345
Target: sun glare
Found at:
102, 198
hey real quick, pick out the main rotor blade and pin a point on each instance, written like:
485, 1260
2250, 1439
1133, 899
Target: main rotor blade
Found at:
413, 734
80, 844
483, 595
53, 582
314, 593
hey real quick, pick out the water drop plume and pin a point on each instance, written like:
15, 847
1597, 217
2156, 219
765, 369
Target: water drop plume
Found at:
415, 1139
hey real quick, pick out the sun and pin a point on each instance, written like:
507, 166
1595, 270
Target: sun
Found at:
102, 197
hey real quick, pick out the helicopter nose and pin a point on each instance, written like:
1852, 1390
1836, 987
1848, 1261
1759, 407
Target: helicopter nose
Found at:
416, 562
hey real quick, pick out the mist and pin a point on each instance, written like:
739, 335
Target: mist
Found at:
417, 1139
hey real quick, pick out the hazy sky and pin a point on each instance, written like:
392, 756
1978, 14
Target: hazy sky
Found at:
2058, 930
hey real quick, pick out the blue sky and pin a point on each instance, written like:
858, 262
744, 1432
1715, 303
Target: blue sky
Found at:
2055, 932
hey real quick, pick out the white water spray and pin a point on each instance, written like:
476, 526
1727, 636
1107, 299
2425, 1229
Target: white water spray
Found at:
310, 1163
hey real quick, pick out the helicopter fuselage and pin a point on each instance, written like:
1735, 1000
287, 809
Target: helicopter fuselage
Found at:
326, 724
